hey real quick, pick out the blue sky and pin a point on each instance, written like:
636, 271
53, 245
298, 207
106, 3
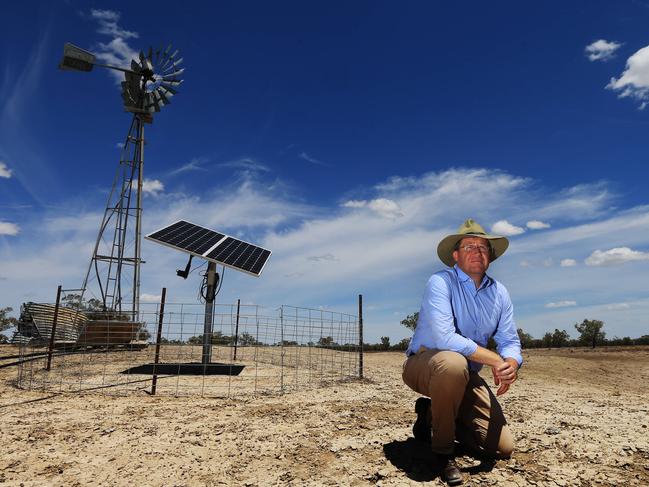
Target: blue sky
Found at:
348, 138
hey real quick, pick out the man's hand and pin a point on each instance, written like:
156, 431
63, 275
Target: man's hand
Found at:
505, 374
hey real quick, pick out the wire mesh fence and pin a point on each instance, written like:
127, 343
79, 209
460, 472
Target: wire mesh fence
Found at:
250, 350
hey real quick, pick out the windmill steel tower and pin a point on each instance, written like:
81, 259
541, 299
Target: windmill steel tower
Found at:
148, 85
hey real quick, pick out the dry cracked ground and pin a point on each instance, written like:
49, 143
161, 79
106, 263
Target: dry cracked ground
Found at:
580, 417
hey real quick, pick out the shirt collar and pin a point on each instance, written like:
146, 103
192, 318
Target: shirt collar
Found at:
463, 276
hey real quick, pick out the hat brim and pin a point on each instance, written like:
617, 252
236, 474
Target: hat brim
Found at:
445, 248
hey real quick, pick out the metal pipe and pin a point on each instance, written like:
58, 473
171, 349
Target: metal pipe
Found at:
54, 321
360, 336
209, 313
138, 221
236, 332
154, 380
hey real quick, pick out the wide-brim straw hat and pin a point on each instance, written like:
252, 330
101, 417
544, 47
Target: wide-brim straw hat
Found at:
470, 228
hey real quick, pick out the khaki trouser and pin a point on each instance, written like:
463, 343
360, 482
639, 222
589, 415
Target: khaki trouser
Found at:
462, 405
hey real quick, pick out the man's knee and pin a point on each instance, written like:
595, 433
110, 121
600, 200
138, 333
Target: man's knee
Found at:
505, 445
451, 364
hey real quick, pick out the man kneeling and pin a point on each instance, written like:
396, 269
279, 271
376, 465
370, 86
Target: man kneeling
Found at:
461, 309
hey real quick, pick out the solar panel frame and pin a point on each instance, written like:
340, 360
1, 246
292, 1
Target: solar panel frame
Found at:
232, 252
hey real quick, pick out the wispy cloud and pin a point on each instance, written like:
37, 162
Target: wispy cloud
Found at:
10, 229
319, 258
194, 165
5, 172
614, 306
150, 298
20, 94
634, 81
152, 186
117, 51
247, 164
503, 227
602, 50
108, 24
537, 225
385, 207
303, 155
616, 256
561, 304
568, 263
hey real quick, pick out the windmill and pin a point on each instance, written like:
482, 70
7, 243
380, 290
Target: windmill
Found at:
148, 85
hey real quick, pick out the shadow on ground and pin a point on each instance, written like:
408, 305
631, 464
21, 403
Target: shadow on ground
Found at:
414, 458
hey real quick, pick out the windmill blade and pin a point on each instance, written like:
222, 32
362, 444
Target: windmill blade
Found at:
168, 91
158, 98
146, 64
135, 66
170, 58
163, 98
174, 74
174, 65
171, 83
150, 54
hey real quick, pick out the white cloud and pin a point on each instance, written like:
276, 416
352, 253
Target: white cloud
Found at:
117, 51
602, 50
503, 227
614, 306
193, 165
355, 204
616, 256
634, 81
384, 207
561, 304
537, 225
5, 172
568, 263
319, 258
7, 228
246, 164
152, 186
108, 24
312, 160
150, 298
524, 263
548, 262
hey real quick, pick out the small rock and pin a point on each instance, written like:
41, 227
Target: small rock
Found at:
552, 430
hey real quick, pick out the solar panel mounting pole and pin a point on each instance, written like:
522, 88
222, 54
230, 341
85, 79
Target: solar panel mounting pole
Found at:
209, 312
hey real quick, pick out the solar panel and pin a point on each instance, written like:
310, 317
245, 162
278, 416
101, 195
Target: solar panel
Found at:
213, 246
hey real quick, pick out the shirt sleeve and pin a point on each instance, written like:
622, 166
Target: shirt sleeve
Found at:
508, 343
436, 316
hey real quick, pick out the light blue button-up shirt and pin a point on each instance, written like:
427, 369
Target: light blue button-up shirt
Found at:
456, 316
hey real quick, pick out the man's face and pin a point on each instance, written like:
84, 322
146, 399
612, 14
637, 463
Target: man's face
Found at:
475, 261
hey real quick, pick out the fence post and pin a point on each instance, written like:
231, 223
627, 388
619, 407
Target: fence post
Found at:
236, 331
54, 321
158, 338
281, 324
360, 335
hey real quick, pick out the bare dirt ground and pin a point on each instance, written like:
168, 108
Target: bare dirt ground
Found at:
580, 417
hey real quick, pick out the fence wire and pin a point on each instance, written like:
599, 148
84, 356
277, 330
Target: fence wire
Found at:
254, 350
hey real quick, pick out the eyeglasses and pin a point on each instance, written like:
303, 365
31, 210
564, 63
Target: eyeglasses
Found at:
472, 248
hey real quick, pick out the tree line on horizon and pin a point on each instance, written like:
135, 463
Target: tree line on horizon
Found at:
591, 334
